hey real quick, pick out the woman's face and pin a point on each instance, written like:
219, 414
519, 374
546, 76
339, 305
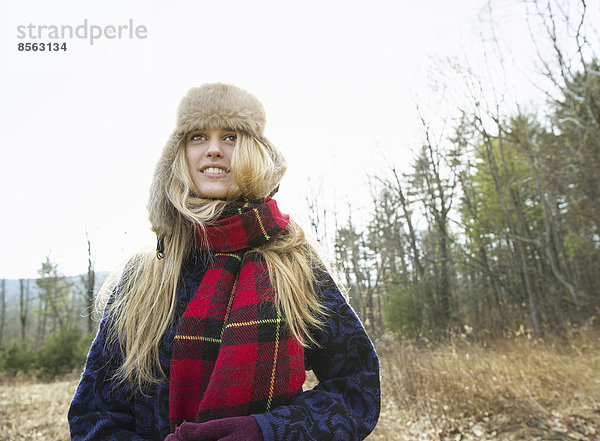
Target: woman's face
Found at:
208, 156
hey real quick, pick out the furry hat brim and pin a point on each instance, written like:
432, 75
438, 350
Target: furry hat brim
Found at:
210, 106
213, 106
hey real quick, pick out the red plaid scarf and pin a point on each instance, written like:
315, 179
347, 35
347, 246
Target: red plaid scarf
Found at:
232, 355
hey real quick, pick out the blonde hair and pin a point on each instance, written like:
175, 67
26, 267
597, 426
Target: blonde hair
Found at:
143, 307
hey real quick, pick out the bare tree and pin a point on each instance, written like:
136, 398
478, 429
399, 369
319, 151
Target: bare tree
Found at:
435, 177
89, 282
23, 306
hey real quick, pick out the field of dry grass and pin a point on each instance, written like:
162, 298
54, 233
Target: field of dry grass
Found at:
517, 389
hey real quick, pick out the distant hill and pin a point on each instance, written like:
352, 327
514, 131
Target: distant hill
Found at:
12, 286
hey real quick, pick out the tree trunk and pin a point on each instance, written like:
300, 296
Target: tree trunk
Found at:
91, 279
23, 306
548, 227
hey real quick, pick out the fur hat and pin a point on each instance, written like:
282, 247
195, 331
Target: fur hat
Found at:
210, 106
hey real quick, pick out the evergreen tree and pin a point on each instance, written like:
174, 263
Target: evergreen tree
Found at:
55, 306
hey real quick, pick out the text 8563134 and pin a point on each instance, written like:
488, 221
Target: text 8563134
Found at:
42, 47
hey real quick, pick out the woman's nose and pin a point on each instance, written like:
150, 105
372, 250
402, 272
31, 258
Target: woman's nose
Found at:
214, 148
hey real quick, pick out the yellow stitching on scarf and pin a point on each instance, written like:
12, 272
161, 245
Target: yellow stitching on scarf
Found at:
228, 255
274, 364
261, 224
255, 322
240, 208
229, 305
197, 337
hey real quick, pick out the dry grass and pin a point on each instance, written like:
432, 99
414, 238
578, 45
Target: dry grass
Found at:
35, 411
517, 389
512, 390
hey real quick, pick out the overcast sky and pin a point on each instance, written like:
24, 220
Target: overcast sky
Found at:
81, 129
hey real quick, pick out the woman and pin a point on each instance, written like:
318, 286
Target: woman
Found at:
209, 337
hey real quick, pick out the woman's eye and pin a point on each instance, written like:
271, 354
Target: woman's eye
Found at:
230, 138
197, 137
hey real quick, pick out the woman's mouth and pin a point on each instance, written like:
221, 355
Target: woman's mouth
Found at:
214, 172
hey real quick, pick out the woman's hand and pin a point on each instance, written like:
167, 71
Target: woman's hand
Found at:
227, 429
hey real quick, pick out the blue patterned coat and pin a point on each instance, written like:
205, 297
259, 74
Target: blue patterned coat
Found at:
343, 406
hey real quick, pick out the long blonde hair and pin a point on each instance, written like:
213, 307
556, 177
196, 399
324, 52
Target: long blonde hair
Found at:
146, 290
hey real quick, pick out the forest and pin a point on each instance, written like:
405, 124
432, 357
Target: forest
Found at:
509, 208
494, 229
